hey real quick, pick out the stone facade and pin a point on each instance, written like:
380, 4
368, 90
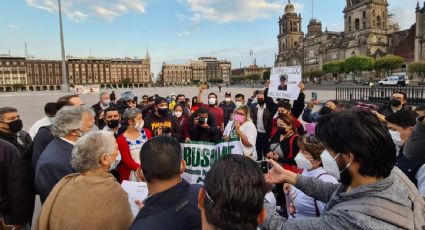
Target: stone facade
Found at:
201, 70
35, 74
251, 70
420, 33
368, 30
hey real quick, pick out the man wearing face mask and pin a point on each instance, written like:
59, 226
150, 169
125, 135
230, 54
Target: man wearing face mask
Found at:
11, 129
202, 127
181, 100
397, 102
401, 125
112, 120
213, 107
262, 118
228, 107
373, 194
309, 116
54, 163
162, 122
104, 102
239, 100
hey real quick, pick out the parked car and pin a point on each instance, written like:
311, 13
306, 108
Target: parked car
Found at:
396, 80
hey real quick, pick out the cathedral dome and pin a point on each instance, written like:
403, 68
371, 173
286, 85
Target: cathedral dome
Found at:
289, 8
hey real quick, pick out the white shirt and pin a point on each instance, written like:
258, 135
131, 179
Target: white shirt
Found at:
420, 176
260, 124
45, 121
249, 130
66, 140
304, 205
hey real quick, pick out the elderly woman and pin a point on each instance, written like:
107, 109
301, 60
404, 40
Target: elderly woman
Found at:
91, 198
130, 143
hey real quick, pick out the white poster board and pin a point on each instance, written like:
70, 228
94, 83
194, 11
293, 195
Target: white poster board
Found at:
86, 89
284, 82
135, 191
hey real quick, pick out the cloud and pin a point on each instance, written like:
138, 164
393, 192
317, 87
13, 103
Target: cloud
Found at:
81, 10
224, 11
13, 27
403, 12
184, 33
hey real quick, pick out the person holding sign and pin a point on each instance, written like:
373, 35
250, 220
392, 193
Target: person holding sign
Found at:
243, 129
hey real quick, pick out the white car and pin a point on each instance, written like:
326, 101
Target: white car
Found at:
395, 80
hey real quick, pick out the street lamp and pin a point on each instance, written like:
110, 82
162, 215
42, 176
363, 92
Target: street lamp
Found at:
65, 85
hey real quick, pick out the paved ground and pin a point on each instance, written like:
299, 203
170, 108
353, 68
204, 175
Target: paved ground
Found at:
30, 104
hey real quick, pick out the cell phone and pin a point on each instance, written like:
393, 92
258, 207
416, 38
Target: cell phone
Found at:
264, 165
314, 95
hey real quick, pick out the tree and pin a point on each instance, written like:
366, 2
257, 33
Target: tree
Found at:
215, 80
358, 64
335, 68
418, 69
126, 80
318, 74
266, 75
389, 63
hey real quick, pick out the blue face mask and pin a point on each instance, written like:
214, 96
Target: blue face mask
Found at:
115, 164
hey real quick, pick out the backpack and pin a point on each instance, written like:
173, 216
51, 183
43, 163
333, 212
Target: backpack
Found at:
390, 212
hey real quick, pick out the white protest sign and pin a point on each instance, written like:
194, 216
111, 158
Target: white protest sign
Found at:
135, 191
284, 82
200, 156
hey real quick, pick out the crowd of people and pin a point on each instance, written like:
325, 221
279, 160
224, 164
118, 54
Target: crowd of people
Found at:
344, 166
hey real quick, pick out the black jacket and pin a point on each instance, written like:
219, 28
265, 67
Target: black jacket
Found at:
96, 107
43, 137
197, 133
175, 208
153, 122
16, 197
297, 106
53, 165
21, 140
227, 110
387, 110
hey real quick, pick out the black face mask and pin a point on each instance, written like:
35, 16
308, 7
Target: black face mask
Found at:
112, 124
15, 126
395, 102
325, 110
260, 101
282, 131
163, 112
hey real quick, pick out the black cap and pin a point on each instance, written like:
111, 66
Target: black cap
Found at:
228, 94
160, 100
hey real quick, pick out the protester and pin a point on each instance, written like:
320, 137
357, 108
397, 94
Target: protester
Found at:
104, 102
144, 101
44, 135
243, 129
228, 107
172, 202
195, 105
284, 108
261, 116
71, 123
11, 129
310, 117
236, 201
128, 100
300, 205
112, 119
90, 198
297, 107
130, 143
420, 110
369, 180
213, 107
162, 122
50, 110
397, 102
239, 100
203, 126
112, 97
16, 199
183, 121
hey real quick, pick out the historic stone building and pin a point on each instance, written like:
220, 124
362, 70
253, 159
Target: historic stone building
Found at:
37, 74
420, 33
201, 70
368, 30
251, 70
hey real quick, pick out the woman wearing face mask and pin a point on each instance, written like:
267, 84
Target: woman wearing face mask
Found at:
298, 204
130, 143
195, 105
90, 198
243, 128
183, 121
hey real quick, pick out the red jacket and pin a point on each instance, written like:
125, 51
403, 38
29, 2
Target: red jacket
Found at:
127, 163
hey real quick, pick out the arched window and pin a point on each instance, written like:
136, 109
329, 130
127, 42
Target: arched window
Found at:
357, 24
378, 22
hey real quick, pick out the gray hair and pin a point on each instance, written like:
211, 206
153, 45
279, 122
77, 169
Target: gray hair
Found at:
103, 93
68, 119
131, 113
90, 148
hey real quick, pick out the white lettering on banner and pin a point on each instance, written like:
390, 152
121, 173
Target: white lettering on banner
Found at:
200, 156
287, 88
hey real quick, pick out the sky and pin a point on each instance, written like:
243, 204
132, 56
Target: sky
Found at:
174, 31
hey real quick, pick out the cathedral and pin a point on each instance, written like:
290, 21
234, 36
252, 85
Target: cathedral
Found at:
368, 30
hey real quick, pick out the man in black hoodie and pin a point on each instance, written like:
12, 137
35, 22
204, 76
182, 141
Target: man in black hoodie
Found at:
161, 122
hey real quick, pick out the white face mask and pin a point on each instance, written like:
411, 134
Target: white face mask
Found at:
115, 163
227, 99
51, 119
178, 114
329, 164
238, 103
396, 138
106, 102
303, 162
212, 101
139, 125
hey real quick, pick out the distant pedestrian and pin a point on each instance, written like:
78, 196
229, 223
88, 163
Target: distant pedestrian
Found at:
112, 97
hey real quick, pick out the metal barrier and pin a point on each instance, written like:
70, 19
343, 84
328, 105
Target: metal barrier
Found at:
381, 94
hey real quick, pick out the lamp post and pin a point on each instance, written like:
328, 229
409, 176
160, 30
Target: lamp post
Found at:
65, 85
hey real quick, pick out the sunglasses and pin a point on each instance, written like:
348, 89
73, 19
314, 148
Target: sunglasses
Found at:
131, 102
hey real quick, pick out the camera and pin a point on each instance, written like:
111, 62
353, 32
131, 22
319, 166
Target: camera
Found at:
264, 166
